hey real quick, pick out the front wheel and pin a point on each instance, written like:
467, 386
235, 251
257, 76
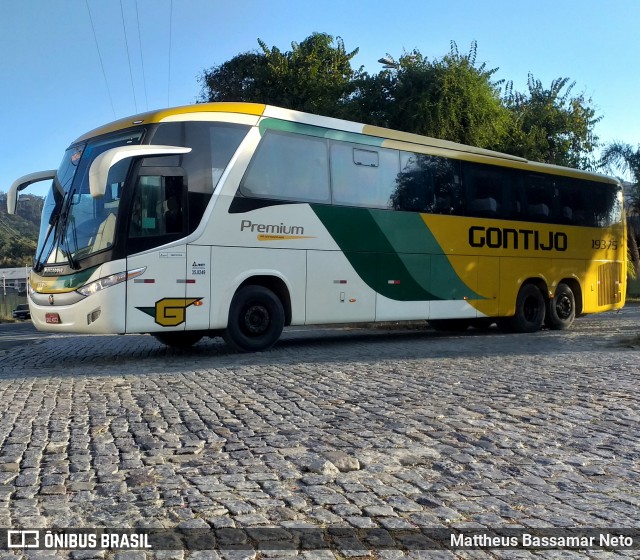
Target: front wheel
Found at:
561, 310
530, 311
256, 320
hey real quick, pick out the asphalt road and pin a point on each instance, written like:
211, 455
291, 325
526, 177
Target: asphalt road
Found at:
21, 332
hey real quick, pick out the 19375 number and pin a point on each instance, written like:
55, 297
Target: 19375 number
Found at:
604, 244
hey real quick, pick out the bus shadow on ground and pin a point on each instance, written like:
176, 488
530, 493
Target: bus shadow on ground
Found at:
142, 354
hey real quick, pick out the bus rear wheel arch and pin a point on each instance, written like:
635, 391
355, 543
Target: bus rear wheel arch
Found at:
531, 308
256, 319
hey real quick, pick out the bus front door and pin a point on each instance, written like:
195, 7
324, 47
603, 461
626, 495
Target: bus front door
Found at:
156, 300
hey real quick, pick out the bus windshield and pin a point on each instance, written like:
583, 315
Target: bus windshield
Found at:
74, 224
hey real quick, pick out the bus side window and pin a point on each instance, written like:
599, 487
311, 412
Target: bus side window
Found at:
604, 207
540, 196
414, 190
488, 191
212, 147
449, 197
158, 207
570, 201
290, 167
363, 175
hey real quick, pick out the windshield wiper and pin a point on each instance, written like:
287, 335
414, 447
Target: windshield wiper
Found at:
66, 250
54, 220
37, 264
59, 226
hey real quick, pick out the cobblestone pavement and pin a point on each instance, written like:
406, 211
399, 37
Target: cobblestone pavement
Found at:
388, 428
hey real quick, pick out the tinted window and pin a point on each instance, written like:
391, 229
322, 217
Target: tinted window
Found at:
158, 207
289, 167
488, 191
212, 146
540, 198
428, 184
571, 201
603, 204
363, 176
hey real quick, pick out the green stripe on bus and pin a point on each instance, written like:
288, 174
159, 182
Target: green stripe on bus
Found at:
394, 253
318, 132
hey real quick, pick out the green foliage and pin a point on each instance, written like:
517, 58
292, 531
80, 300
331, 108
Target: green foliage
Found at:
19, 233
551, 126
453, 98
315, 76
618, 156
450, 98
239, 79
621, 157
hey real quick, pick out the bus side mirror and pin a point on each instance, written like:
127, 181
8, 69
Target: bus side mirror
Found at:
23, 183
99, 170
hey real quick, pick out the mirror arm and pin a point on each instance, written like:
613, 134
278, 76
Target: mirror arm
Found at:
99, 170
23, 183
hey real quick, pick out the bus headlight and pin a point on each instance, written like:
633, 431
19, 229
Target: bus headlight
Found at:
108, 281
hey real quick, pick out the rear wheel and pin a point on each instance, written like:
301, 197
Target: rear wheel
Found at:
256, 320
561, 310
530, 311
178, 339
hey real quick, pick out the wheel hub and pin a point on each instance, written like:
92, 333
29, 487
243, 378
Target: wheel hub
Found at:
256, 320
564, 307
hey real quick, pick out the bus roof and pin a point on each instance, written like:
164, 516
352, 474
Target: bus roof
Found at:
391, 138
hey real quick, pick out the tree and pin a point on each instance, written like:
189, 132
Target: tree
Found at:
619, 156
19, 233
622, 157
239, 79
451, 98
315, 76
551, 126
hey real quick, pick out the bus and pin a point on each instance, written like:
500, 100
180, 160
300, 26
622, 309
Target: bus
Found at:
239, 219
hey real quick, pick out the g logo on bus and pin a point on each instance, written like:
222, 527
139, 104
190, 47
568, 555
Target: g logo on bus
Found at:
170, 312
51, 302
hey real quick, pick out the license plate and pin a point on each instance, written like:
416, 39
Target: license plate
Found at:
52, 318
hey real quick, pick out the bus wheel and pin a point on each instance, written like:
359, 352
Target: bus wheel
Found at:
178, 339
256, 320
561, 311
451, 325
530, 310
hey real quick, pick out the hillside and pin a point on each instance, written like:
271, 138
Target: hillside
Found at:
19, 233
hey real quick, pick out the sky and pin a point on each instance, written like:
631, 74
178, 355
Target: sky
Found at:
53, 88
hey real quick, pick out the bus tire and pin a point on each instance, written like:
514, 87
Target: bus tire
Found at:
180, 339
451, 325
561, 311
256, 320
530, 310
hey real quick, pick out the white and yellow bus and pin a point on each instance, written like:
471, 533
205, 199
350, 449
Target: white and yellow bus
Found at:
239, 219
